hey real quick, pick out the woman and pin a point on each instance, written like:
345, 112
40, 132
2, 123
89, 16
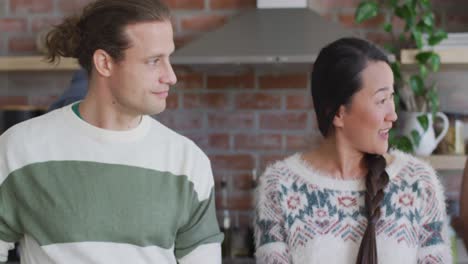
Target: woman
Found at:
349, 201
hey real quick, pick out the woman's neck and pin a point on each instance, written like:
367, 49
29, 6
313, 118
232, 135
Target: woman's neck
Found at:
337, 160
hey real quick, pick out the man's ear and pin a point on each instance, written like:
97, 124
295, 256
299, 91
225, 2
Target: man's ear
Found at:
103, 62
338, 120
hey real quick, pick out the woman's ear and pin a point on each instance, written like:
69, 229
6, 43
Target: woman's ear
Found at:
339, 116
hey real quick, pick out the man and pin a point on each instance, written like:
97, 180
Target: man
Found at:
100, 181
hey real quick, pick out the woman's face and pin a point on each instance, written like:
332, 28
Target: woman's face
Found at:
364, 124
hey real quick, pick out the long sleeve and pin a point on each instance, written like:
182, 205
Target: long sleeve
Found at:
199, 240
8, 234
433, 235
270, 234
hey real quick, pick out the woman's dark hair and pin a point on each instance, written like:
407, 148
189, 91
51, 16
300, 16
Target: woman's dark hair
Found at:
101, 26
336, 77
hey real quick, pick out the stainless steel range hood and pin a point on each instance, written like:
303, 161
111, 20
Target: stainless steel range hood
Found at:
264, 36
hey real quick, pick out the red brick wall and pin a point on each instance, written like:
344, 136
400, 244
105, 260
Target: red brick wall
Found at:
243, 118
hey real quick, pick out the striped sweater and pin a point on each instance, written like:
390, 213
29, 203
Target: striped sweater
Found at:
304, 216
74, 193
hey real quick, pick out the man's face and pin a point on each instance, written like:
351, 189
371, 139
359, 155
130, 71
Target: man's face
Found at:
140, 82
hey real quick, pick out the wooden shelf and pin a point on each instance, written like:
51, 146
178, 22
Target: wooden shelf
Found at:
446, 162
457, 56
36, 63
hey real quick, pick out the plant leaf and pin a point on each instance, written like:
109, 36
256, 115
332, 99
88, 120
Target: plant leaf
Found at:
423, 57
388, 27
433, 98
437, 37
428, 19
423, 71
417, 85
366, 10
425, 3
435, 62
396, 70
390, 48
416, 137
423, 121
417, 36
394, 3
402, 143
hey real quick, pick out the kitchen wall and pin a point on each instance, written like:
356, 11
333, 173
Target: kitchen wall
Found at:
243, 117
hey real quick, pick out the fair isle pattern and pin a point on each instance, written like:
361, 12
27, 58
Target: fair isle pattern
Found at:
298, 211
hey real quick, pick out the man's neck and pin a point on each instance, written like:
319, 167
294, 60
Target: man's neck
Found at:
100, 111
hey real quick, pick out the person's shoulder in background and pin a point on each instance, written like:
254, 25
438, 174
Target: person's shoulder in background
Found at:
75, 92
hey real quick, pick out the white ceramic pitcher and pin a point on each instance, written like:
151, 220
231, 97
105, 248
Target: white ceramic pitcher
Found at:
429, 141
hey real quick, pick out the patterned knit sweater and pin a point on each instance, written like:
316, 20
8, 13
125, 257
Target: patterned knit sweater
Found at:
74, 193
306, 217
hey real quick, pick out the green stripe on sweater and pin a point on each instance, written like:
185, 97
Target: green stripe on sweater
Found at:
75, 201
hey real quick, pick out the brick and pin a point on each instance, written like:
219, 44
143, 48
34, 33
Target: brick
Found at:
44, 23
284, 81
230, 120
268, 159
31, 6
301, 102
218, 141
189, 80
206, 101
379, 38
348, 21
185, 4
13, 100
13, 25
456, 22
203, 23
231, 81
72, 6
282, 121
304, 141
398, 24
180, 41
22, 44
257, 101
181, 120
258, 142
237, 201
232, 4
232, 162
242, 181
199, 138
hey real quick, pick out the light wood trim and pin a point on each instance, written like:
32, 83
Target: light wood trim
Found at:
22, 108
456, 55
446, 162
36, 63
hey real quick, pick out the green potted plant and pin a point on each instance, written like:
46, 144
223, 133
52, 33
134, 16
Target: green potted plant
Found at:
416, 98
